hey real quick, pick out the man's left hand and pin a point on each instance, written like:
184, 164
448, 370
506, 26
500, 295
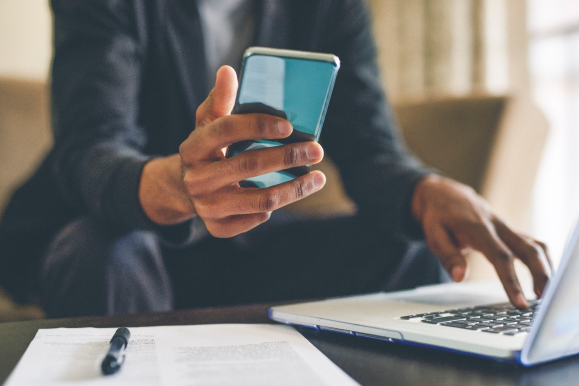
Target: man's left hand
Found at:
455, 220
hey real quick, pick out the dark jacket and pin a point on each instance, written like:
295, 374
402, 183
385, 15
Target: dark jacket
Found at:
128, 76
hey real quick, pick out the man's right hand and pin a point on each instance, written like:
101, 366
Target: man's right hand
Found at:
201, 181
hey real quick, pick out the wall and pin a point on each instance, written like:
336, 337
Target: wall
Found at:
25, 39
426, 46
451, 47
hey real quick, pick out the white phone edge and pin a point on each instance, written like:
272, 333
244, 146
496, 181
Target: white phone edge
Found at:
292, 54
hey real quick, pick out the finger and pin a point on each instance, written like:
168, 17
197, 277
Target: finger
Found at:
242, 127
258, 200
547, 254
487, 241
451, 257
258, 162
221, 99
206, 143
528, 252
508, 277
234, 225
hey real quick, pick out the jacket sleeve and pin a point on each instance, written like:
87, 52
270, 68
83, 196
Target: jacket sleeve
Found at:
360, 134
99, 145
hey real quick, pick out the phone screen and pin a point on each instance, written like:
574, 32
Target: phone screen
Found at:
296, 89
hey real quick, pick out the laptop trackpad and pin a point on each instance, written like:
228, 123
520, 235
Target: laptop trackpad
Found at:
455, 295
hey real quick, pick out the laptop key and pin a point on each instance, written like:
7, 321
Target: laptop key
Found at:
511, 333
475, 327
443, 320
453, 324
466, 322
448, 319
492, 324
498, 330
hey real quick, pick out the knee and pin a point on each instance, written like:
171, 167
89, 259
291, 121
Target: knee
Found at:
85, 246
86, 264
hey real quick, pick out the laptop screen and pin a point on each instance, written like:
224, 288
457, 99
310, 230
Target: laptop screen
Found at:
557, 332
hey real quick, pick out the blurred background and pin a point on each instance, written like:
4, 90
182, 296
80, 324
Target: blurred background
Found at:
495, 80
522, 48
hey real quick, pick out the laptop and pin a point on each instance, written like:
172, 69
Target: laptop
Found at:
472, 317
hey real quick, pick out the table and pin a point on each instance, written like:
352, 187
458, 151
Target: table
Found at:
368, 361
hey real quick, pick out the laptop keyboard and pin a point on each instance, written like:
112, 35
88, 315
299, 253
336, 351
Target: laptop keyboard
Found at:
496, 319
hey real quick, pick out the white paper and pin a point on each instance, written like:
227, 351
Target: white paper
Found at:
218, 354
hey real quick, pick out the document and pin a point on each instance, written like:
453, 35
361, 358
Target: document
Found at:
217, 355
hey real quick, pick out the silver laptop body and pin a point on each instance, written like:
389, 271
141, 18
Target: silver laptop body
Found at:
552, 334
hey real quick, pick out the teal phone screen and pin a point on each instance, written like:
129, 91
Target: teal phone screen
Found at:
295, 89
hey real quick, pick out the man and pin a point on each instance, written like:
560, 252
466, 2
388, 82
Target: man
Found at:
157, 218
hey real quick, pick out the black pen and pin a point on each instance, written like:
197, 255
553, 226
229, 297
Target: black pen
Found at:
115, 356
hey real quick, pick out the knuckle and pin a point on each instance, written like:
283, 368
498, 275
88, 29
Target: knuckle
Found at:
261, 124
195, 184
300, 188
291, 155
185, 151
533, 252
190, 184
220, 128
208, 209
543, 277
203, 211
202, 109
513, 282
477, 226
248, 165
263, 217
268, 202
504, 256
190, 149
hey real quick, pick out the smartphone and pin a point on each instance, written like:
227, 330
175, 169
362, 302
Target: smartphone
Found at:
294, 85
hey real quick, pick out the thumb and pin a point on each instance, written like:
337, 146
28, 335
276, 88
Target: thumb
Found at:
221, 99
450, 255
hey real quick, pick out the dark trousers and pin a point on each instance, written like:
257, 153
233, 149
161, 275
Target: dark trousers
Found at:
89, 270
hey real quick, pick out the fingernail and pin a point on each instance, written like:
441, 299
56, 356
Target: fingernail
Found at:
314, 152
319, 180
457, 273
284, 127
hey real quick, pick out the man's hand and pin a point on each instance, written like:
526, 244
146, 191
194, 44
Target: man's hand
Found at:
201, 181
455, 219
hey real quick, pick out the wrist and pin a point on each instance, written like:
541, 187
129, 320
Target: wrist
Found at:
162, 193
